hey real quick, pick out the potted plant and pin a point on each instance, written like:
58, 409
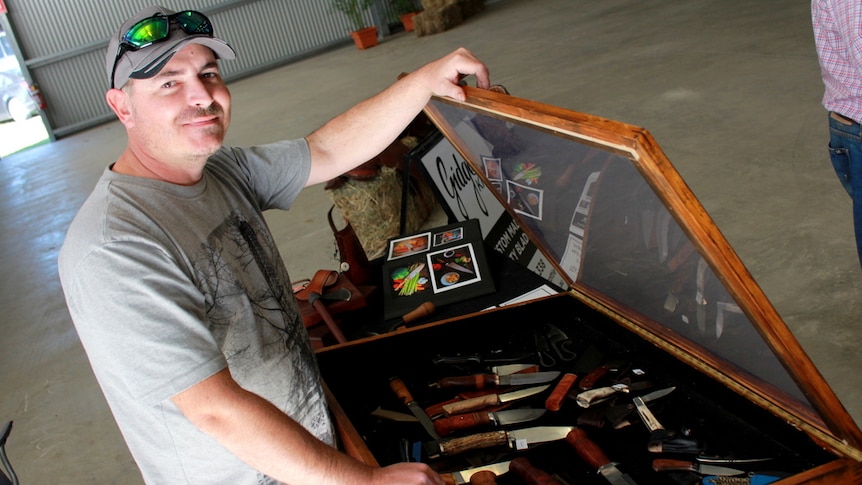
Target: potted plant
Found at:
363, 36
406, 10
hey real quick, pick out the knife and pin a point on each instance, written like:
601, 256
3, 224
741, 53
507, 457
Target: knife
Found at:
445, 426
518, 439
481, 381
530, 474
713, 460
661, 439
750, 479
458, 267
464, 476
484, 477
554, 402
590, 452
412, 274
657, 431
403, 393
477, 403
599, 394
664, 465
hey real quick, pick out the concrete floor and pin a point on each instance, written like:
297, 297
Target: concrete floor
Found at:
712, 80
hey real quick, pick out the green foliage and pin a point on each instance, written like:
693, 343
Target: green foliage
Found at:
403, 6
354, 10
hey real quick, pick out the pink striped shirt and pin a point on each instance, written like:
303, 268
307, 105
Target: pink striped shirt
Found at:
838, 37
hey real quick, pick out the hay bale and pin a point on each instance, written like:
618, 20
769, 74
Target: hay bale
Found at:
436, 4
373, 208
433, 21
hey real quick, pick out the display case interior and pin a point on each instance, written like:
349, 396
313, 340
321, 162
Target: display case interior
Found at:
707, 418
654, 295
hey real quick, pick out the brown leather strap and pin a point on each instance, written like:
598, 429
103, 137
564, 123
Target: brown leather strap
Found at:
321, 279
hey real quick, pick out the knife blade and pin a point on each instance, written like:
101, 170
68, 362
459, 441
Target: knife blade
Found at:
518, 439
730, 459
506, 369
644, 412
477, 403
403, 393
481, 381
458, 267
463, 476
446, 426
590, 452
666, 464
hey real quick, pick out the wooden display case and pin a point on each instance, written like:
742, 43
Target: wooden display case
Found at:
654, 297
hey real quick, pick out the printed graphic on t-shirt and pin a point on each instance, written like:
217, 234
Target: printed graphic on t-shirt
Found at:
255, 320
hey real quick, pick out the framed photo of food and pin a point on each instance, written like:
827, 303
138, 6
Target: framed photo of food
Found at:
442, 265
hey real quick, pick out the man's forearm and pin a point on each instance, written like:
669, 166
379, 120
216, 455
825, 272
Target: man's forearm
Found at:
265, 438
369, 127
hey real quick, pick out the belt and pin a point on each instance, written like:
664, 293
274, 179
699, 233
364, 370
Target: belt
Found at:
842, 119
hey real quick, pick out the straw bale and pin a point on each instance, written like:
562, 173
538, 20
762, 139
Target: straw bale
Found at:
373, 208
433, 21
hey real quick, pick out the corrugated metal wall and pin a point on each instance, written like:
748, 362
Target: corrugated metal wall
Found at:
63, 43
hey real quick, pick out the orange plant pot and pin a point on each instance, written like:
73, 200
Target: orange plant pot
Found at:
407, 21
365, 38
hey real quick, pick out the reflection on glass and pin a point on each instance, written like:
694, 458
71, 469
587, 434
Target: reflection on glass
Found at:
598, 219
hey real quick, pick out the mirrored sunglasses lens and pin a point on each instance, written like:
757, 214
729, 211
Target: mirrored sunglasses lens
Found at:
147, 31
194, 22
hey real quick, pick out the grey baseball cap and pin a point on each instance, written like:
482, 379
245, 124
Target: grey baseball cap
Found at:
149, 61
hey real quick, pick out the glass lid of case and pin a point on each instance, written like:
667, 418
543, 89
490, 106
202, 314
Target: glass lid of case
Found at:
604, 204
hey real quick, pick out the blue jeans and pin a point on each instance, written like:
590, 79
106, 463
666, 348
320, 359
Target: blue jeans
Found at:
845, 150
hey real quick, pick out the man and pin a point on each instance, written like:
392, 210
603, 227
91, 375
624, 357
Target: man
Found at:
838, 39
173, 280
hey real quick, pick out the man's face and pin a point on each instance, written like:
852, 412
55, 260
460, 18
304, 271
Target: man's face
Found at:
179, 117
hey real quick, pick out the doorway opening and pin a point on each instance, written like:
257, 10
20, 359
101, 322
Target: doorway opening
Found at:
21, 122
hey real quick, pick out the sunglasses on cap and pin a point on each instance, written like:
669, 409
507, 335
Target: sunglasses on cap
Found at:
157, 29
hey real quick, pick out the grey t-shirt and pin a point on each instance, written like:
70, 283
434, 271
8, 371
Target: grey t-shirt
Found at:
168, 285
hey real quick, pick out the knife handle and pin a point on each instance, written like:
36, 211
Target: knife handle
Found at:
484, 477
555, 400
665, 464
445, 426
491, 439
589, 380
531, 475
401, 390
448, 479
587, 449
587, 398
478, 381
473, 404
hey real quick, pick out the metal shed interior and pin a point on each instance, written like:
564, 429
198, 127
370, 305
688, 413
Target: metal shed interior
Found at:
62, 44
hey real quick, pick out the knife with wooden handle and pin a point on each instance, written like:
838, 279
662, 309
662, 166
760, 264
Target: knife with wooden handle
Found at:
517, 439
483, 478
478, 441
526, 471
445, 426
590, 452
400, 390
477, 403
481, 381
561, 390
